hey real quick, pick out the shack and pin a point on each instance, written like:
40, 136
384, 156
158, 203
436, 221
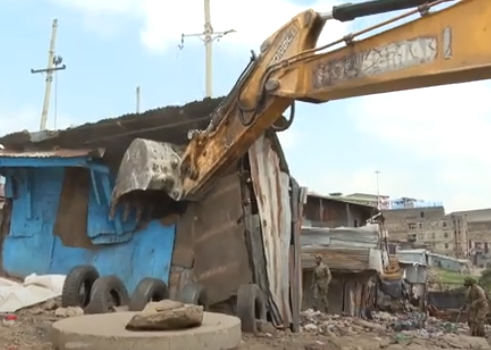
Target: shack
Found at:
427, 258
57, 213
416, 275
333, 211
354, 258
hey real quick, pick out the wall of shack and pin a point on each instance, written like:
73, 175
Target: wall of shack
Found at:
59, 218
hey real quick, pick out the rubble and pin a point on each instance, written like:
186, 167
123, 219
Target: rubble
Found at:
411, 324
413, 330
70, 311
167, 315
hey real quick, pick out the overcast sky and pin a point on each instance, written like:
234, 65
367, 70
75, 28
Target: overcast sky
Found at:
428, 143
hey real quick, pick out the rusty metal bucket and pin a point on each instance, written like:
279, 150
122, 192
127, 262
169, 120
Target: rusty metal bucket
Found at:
149, 165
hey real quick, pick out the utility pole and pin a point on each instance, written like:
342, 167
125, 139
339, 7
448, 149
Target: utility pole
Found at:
138, 91
377, 175
208, 36
54, 64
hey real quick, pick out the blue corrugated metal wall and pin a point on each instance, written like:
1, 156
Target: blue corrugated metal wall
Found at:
31, 246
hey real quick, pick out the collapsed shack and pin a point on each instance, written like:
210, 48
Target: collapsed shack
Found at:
416, 276
354, 257
245, 231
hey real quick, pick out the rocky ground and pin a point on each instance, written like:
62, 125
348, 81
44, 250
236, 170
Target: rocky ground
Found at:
384, 331
30, 331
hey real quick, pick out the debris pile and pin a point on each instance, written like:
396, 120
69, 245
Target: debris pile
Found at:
411, 324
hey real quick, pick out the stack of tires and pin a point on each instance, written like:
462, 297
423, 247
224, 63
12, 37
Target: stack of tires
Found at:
95, 294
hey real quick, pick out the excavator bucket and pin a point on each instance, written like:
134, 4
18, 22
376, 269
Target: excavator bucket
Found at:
148, 165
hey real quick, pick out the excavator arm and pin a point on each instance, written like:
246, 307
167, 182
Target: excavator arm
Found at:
445, 47
439, 47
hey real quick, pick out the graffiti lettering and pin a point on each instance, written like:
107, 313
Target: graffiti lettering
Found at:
384, 59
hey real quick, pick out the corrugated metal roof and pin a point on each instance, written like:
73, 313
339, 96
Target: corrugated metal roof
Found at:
478, 215
342, 237
337, 259
412, 263
60, 153
341, 200
414, 256
446, 257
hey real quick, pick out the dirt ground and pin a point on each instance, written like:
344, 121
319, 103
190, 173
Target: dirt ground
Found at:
353, 336
31, 332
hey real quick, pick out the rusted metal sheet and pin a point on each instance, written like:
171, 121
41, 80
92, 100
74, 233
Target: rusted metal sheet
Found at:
365, 237
6, 216
296, 254
71, 219
271, 188
221, 261
344, 259
59, 153
179, 277
254, 241
183, 254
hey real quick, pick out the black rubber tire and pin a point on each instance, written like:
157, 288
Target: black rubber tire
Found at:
251, 306
149, 289
194, 293
107, 292
82, 276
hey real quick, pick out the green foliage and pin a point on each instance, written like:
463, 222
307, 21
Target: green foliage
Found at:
451, 277
485, 280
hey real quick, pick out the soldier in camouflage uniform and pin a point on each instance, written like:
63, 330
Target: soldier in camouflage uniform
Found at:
320, 283
478, 307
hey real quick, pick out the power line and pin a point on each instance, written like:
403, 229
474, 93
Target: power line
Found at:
54, 65
208, 36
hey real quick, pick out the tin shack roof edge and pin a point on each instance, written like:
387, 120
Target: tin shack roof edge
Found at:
166, 124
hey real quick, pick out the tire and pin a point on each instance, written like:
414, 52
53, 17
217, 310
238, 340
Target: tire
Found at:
194, 293
107, 292
77, 287
251, 306
149, 289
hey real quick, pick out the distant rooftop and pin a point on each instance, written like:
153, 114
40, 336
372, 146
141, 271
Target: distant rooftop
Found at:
337, 198
475, 215
365, 196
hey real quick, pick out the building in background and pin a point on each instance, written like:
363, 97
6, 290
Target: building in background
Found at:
478, 228
416, 223
407, 202
427, 227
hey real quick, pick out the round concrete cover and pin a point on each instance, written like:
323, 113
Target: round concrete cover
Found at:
107, 332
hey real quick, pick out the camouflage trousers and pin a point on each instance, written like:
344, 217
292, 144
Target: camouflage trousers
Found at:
320, 297
477, 320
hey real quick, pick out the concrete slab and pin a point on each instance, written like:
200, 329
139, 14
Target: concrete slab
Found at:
107, 332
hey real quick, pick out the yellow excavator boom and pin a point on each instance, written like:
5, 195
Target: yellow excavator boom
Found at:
441, 46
